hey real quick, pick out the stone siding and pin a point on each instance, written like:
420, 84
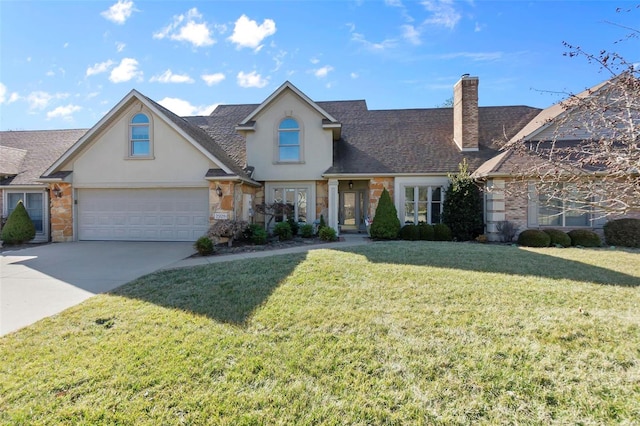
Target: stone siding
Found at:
376, 186
61, 213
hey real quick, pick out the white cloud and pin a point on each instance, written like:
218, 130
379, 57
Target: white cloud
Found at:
120, 46
184, 108
3, 93
252, 79
14, 97
40, 99
322, 72
187, 27
63, 112
65, 45
125, 71
170, 77
393, 3
119, 12
411, 34
247, 33
314, 61
100, 67
375, 47
211, 79
474, 56
50, 73
479, 27
443, 13
354, 75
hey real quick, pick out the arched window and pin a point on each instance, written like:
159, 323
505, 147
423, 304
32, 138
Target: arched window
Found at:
289, 140
139, 136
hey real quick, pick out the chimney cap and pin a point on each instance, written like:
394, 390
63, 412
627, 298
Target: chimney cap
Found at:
466, 75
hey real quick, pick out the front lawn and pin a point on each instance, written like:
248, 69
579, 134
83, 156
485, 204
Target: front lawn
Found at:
388, 333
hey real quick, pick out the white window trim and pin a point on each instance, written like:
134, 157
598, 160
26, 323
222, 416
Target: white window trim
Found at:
276, 146
40, 236
128, 148
402, 182
309, 186
533, 216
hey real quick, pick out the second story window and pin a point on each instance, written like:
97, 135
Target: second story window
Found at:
139, 136
289, 140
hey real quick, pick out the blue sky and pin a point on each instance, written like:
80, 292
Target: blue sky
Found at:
64, 64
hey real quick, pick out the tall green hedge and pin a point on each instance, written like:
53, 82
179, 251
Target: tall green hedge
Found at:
19, 227
386, 224
462, 209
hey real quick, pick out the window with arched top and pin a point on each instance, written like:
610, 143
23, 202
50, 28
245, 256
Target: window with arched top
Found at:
139, 136
289, 140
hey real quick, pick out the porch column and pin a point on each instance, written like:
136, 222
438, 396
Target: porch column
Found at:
333, 204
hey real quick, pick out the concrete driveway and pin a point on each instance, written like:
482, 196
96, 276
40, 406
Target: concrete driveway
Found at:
42, 281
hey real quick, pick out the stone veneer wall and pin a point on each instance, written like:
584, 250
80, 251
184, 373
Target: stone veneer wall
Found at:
510, 204
61, 213
322, 199
376, 185
223, 204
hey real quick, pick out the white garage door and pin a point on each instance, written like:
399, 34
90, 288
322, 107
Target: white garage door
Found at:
143, 214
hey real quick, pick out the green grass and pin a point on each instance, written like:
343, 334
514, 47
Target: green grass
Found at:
388, 333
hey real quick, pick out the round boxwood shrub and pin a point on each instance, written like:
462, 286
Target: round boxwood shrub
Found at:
622, 232
295, 226
426, 232
204, 246
328, 234
386, 224
19, 228
584, 238
534, 238
410, 232
306, 230
256, 234
283, 231
558, 238
441, 232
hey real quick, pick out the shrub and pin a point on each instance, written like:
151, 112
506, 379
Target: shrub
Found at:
256, 234
426, 232
306, 230
19, 228
295, 226
622, 232
322, 223
506, 230
410, 232
231, 229
482, 238
584, 238
558, 238
204, 246
386, 224
328, 234
442, 232
462, 207
283, 231
534, 238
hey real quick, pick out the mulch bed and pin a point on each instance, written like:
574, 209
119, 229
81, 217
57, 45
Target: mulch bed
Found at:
247, 247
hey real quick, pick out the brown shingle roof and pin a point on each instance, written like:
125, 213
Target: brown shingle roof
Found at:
42, 148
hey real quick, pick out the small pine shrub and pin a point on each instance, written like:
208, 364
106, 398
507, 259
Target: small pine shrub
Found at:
441, 232
19, 228
256, 234
462, 207
322, 223
386, 224
328, 234
295, 226
283, 231
558, 238
306, 230
409, 232
584, 238
623, 232
426, 232
534, 238
204, 246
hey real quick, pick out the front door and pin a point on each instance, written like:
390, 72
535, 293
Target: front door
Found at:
352, 211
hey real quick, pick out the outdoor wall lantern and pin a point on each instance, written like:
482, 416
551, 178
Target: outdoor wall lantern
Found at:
350, 184
57, 191
219, 191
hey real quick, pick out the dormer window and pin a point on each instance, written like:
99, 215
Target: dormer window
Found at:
289, 141
139, 136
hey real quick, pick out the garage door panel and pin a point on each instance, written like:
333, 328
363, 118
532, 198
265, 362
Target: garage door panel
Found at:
143, 214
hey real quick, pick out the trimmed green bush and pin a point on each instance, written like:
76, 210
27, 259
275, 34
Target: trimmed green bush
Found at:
558, 238
410, 232
19, 228
283, 231
306, 230
256, 234
426, 232
386, 224
295, 226
204, 246
442, 232
322, 223
534, 238
584, 238
328, 234
623, 232
462, 207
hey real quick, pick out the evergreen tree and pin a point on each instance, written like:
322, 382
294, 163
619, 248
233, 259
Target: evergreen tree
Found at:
386, 224
462, 210
19, 227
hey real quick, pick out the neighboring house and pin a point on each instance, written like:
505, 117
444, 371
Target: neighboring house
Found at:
143, 173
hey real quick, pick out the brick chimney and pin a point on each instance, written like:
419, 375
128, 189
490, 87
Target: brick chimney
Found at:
465, 113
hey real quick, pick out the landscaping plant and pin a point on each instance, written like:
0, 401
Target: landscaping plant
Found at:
623, 232
441, 232
19, 228
558, 238
534, 238
386, 224
584, 238
462, 207
328, 234
204, 246
283, 231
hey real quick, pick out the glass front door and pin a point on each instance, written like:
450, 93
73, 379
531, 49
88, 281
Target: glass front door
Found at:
352, 211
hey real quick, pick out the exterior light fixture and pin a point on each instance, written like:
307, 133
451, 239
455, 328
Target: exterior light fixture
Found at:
350, 184
57, 191
219, 191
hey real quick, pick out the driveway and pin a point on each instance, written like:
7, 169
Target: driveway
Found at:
44, 280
